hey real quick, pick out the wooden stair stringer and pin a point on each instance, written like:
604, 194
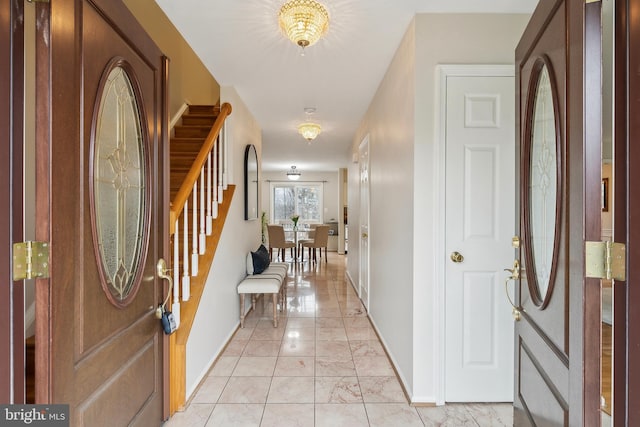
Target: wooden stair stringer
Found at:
188, 309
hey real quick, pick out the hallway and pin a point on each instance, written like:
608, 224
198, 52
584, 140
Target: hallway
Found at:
322, 366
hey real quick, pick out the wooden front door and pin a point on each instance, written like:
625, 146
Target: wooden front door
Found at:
100, 196
12, 388
557, 336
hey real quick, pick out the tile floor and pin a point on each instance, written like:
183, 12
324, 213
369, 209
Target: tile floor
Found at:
322, 366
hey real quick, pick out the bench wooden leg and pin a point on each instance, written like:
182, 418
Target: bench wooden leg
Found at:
241, 310
275, 309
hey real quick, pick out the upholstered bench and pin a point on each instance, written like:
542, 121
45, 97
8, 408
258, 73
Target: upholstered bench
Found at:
269, 280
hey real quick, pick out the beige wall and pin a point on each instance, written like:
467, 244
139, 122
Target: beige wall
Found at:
189, 80
389, 123
219, 313
402, 125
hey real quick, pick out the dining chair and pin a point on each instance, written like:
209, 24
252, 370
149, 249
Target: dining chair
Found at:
320, 240
278, 241
310, 236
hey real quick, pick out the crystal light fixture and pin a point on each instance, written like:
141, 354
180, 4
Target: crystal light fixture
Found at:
293, 174
309, 130
303, 21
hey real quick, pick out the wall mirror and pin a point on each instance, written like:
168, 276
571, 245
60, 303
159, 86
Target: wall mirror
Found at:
542, 193
250, 183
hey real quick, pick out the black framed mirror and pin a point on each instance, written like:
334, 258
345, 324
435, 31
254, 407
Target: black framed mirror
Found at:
250, 183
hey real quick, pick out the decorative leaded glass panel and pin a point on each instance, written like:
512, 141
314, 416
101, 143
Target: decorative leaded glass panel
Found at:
119, 177
543, 182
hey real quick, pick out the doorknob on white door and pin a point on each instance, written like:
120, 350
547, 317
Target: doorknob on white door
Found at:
456, 257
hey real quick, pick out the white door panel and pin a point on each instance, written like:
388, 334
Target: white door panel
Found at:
480, 221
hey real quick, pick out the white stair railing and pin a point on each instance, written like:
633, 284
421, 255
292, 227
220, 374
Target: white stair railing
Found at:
210, 169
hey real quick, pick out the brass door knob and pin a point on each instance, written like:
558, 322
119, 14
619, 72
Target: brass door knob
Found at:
457, 257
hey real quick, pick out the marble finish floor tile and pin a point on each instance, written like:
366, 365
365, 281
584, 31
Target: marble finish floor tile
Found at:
291, 390
224, 366
262, 348
447, 416
322, 366
236, 415
302, 366
392, 415
334, 367
333, 415
196, 415
210, 390
255, 367
288, 415
382, 390
337, 390
246, 390
373, 366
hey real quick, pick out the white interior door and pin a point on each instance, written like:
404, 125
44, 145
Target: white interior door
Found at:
363, 153
480, 222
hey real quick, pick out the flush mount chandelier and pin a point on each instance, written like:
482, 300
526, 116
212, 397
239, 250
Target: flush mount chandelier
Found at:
303, 21
309, 130
293, 174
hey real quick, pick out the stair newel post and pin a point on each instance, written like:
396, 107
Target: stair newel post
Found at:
203, 237
194, 231
225, 173
214, 205
209, 199
175, 306
186, 279
220, 169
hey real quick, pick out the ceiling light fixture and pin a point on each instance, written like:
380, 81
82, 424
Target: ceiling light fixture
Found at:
293, 174
309, 130
303, 21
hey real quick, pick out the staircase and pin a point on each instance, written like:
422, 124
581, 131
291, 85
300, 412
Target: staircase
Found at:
187, 141
200, 200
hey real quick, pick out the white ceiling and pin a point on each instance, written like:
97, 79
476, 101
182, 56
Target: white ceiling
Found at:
241, 44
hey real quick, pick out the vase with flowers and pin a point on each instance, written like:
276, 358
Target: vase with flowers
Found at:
295, 219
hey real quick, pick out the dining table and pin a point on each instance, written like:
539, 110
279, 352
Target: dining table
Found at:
301, 230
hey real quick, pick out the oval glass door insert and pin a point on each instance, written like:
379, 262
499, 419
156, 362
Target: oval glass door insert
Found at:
543, 193
120, 205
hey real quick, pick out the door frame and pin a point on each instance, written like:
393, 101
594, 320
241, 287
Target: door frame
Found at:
367, 211
626, 332
12, 339
443, 72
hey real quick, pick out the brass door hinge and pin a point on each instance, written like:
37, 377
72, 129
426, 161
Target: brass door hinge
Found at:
605, 260
30, 260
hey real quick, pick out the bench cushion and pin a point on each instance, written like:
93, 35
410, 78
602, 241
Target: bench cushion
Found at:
262, 285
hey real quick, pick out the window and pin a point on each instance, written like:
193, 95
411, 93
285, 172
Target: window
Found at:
304, 199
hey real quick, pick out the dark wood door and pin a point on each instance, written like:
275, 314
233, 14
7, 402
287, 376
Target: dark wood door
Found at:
100, 197
557, 336
626, 294
11, 293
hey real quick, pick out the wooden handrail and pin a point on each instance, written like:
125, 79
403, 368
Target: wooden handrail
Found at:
177, 204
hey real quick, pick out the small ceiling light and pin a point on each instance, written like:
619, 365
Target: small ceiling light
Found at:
309, 130
303, 21
293, 174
